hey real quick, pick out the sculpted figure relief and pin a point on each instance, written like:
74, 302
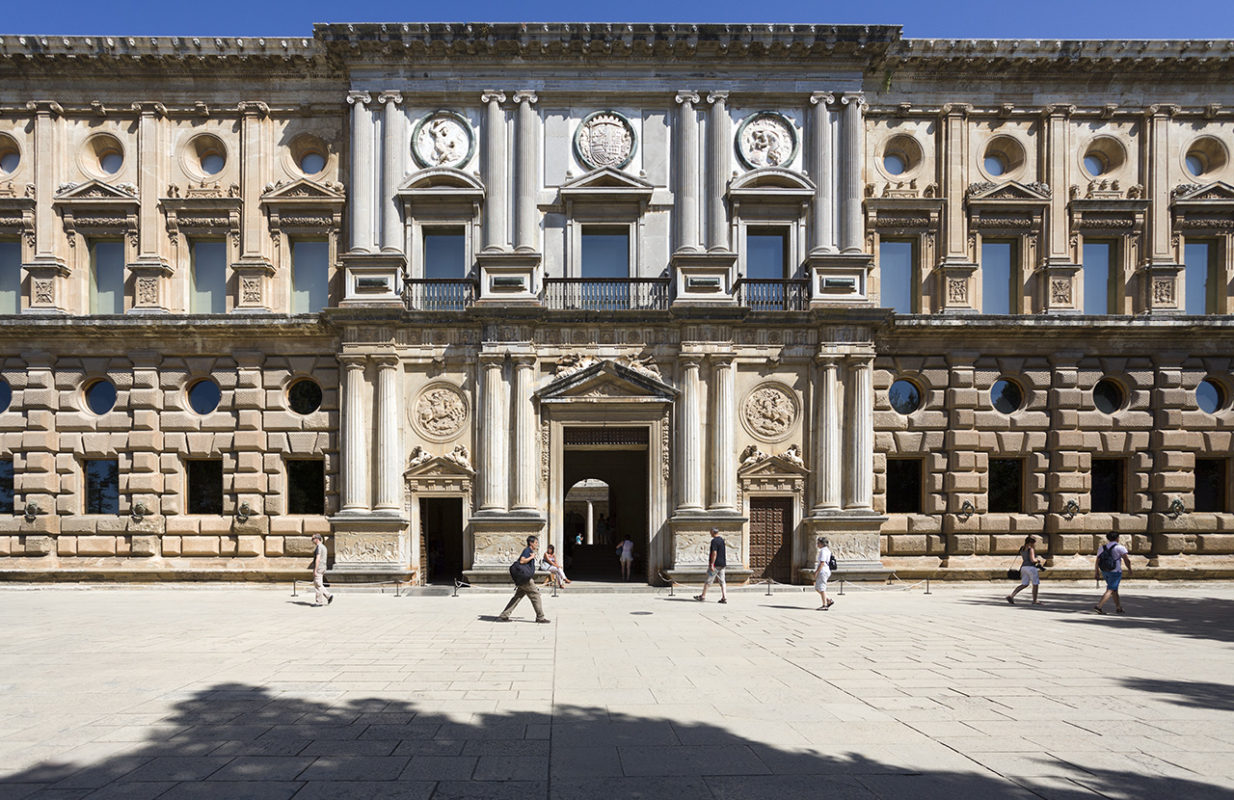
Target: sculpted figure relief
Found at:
766, 139
440, 412
770, 412
444, 139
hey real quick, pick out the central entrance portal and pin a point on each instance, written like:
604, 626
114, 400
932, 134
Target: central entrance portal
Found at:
605, 480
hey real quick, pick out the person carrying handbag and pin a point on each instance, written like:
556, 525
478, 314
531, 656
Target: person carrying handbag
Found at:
1030, 570
523, 571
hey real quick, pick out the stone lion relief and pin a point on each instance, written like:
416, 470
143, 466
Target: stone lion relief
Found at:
770, 412
604, 139
766, 139
440, 412
443, 139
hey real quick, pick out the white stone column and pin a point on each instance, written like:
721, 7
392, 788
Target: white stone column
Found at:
686, 207
822, 214
389, 451
591, 523
850, 172
718, 168
828, 471
526, 463
494, 442
860, 429
355, 436
493, 168
723, 434
526, 215
392, 150
689, 435
362, 173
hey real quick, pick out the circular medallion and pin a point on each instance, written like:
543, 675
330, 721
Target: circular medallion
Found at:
442, 139
766, 139
770, 412
440, 411
604, 139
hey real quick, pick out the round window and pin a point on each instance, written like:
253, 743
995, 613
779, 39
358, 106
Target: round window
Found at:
9, 157
1006, 396
904, 396
1107, 396
204, 396
1195, 165
894, 164
311, 163
995, 165
6, 395
1095, 165
101, 396
212, 163
1210, 396
111, 161
304, 396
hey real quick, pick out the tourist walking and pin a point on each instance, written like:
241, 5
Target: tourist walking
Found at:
1109, 565
1030, 570
555, 572
319, 573
625, 553
524, 582
716, 562
822, 572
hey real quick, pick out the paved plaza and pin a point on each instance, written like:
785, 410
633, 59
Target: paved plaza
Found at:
185, 692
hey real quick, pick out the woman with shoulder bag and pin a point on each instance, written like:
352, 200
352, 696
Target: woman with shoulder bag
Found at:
1030, 570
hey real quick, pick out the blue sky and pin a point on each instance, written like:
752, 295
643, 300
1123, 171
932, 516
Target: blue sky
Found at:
1028, 19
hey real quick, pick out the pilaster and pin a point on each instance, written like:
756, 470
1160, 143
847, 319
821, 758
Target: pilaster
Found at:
828, 471
690, 474
718, 168
852, 232
860, 430
526, 459
822, 213
686, 207
48, 271
1160, 271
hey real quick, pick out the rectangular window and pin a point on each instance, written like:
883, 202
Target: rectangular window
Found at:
107, 277
445, 254
310, 276
897, 270
1211, 490
1006, 493
1099, 270
10, 276
766, 255
998, 269
606, 253
6, 486
1108, 482
1199, 277
209, 279
904, 485
102, 486
306, 486
205, 486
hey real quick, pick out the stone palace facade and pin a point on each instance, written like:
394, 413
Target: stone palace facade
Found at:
426, 289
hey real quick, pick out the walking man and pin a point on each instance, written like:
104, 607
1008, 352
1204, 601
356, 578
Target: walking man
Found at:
526, 587
319, 572
1110, 560
716, 562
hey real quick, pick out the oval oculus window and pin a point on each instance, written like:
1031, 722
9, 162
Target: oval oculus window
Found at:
304, 396
1107, 396
904, 396
1210, 396
1006, 396
101, 396
204, 396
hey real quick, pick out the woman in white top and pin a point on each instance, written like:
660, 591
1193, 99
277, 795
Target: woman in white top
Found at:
822, 573
625, 551
555, 572
1030, 570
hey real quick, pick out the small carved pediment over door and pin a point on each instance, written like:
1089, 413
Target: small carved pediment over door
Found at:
450, 473
780, 473
606, 381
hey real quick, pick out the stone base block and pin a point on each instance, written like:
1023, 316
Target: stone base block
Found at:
692, 542
365, 547
499, 539
854, 541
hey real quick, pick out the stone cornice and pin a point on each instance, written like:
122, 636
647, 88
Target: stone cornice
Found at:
1014, 55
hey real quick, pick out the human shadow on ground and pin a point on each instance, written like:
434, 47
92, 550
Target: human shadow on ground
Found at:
241, 742
1192, 694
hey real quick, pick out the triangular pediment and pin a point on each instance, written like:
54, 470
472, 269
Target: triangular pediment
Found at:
304, 190
607, 182
771, 466
439, 467
442, 182
1010, 190
1219, 192
606, 381
95, 191
771, 182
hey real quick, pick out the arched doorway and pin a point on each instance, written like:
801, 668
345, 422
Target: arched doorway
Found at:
605, 471
588, 531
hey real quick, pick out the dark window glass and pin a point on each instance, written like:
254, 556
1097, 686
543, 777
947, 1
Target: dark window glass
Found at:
606, 253
205, 486
445, 254
102, 486
1006, 494
310, 276
997, 272
904, 485
204, 396
896, 281
209, 278
107, 277
1198, 275
6, 486
1006, 396
766, 255
1209, 396
1098, 269
1107, 396
1107, 492
306, 487
304, 396
904, 396
6, 395
101, 396
10, 277
1211, 490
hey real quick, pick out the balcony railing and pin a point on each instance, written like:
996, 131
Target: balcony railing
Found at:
440, 294
761, 294
607, 294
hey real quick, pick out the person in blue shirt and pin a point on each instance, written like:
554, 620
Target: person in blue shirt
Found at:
716, 562
527, 588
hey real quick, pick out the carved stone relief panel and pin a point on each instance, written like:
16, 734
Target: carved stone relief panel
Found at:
766, 139
605, 139
439, 412
1163, 291
368, 548
1060, 291
957, 290
770, 412
443, 139
497, 549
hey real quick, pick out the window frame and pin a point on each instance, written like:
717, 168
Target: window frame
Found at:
914, 288
1120, 504
192, 273
86, 490
287, 493
1223, 492
1113, 295
1212, 274
188, 487
919, 503
1020, 493
292, 241
92, 284
1015, 277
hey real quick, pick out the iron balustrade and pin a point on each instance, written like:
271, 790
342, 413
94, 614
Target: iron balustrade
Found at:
761, 294
439, 294
607, 294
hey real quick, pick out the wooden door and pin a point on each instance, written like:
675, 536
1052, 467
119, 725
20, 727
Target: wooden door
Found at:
771, 554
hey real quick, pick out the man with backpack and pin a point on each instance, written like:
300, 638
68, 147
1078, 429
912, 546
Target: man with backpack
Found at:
523, 571
1110, 560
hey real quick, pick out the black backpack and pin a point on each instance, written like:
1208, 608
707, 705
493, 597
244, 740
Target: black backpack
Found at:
831, 562
522, 573
1106, 562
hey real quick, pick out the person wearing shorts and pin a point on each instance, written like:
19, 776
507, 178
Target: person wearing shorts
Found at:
716, 562
822, 572
1113, 577
1030, 572
625, 554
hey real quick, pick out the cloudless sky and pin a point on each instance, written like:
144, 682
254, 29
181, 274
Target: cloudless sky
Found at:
1019, 19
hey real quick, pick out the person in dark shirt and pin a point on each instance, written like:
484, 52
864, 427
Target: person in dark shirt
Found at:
716, 562
527, 588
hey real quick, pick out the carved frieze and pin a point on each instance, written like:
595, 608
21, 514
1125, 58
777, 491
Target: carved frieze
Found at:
1163, 291
443, 139
957, 290
440, 412
770, 411
766, 139
1060, 291
605, 139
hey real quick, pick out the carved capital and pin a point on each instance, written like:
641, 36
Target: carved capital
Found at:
1161, 110
955, 109
857, 99
1060, 110
45, 108
253, 108
525, 96
492, 96
390, 97
352, 362
149, 108
822, 98
687, 97
359, 98
717, 98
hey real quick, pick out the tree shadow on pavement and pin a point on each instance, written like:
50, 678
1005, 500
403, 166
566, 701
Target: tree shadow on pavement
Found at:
241, 742
1192, 694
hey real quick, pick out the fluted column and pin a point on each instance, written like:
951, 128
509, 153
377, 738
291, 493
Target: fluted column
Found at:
723, 435
362, 172
717, 170
822, 227
525, 467
689, 444
860, 429
494, 442
525, 211
355, 436
493, 169
389, 453
687, 162
828, 471
392, 153
850, 173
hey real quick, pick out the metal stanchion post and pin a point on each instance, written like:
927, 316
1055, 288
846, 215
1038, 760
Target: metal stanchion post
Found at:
927, 586
293, 589
554, 588
769, 587
455, 588
841, 587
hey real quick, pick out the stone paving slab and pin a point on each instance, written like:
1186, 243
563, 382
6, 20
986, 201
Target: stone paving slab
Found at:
173, 692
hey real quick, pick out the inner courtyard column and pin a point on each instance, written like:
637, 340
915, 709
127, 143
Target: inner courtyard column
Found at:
723, 435
828, 471
494, 441
860, 430
493, 168
393, 126
690, 473
525, 456
362, 168
355, 436
389, 450
822, 227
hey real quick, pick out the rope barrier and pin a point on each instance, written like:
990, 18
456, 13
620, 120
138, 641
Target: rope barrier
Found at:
887, 586
398, 585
